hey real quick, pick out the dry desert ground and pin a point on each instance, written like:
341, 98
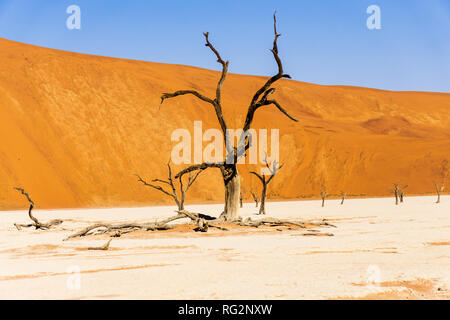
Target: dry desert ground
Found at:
377, 251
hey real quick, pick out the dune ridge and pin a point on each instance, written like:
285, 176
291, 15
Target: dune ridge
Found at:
74, 128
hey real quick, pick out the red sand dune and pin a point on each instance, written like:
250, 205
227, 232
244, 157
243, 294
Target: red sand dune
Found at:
74, 129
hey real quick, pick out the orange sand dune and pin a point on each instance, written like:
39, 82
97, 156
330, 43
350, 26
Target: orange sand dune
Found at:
74, 129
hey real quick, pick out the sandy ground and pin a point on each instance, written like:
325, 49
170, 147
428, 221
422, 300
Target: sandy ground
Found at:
378, 251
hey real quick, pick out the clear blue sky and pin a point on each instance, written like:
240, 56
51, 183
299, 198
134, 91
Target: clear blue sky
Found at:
324, 41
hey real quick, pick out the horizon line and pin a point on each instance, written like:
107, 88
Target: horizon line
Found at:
231, 73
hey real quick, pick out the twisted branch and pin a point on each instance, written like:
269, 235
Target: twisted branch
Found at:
36, 223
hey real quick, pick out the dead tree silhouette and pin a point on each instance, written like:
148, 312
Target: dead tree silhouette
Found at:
323, 195
272, 170
255, 198
439, 190
399, 193
343, 197
241, 200
36, 223
402, 193
228, 168
178, 196
443, 172
396, 193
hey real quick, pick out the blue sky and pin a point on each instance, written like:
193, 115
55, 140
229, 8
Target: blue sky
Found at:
324, 41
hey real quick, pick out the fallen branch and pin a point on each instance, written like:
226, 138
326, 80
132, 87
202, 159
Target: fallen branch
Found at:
105, 247
36, 223
105, 228
203, 224
269, 221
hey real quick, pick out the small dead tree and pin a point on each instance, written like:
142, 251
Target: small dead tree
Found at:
443, 172
255, 198
402, 193
439, 190
36, 223
178, 196
343, 197
241, 200
396, 193
323, 195
272, 171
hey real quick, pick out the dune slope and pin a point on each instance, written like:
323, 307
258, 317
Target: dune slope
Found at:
74, 129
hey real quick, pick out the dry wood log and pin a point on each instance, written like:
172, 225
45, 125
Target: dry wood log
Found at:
103, 228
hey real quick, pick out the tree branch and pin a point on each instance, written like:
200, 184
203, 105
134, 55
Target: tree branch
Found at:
154, 187
37, 224
224, 67
266, 89
279, 107
198, 167
186, 92
258, 176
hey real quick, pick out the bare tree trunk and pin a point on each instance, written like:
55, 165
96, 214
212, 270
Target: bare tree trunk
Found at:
438, 191
262, 208
323, 195
396, 194
232, 195
343, 197
255, 198
241, 200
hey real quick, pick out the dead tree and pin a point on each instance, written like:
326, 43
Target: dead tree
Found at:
261, 98
323, 196
439, 190
241, 200
396, 193
272, 171
255, 198
36, 223
343, 197
178, 196
443, 175
402, 193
